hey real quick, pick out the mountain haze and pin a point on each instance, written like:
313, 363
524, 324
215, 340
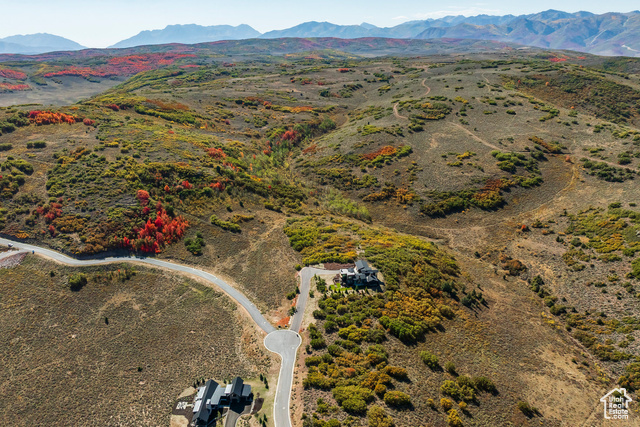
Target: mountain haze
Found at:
189, 34
326, 29
606, 34
37, 43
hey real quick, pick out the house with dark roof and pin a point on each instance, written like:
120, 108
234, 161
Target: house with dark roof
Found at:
202, 408
360, 275
211, 398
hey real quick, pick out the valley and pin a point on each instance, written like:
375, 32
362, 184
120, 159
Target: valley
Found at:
492, 186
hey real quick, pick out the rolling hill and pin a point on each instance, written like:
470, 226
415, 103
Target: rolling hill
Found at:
494, 188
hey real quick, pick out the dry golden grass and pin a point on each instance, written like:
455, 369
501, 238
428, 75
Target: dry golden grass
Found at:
115, 352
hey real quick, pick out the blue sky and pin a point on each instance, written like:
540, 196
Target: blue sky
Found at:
99, 23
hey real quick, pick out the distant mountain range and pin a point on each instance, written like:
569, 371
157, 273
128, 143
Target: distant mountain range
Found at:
606, 34
189, 34
37, 43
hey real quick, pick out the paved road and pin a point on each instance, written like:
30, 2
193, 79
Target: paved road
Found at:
229, 290
305, 279
285, 343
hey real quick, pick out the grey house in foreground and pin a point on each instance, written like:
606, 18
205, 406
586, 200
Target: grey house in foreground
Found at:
361, 275
212, 398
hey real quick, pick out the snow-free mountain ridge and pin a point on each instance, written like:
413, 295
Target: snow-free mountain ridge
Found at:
604, 34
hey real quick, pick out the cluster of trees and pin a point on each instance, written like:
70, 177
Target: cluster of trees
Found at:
352, 360
9, 124
49, 212
606, 172
77, 281
12, 176
604, 98
553, 147
304, 237
508, 162
487, 197
50, 118
36, 144
281, 139
159, 230
385, 154
195, 244
339, 204
11, 86
631, 378
8, 73
225, 225
121, 65
172, 115
216, 153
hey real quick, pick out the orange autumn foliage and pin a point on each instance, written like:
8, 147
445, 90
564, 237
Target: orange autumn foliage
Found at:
216, 153
384, 151
50, 118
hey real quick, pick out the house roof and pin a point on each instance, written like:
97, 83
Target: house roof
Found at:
200, 394
209, 388
246, 390
237, 386
362, 264
215, 399
363, 267
204, 409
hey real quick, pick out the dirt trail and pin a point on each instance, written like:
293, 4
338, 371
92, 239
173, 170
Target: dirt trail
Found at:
395, 106
395, 112
478, 235
424, 83
476, 137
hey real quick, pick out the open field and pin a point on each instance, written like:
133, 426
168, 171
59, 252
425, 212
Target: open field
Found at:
116, 352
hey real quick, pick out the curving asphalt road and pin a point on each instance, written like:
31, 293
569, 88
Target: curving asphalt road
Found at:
305, 279
285, 343
229, 290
